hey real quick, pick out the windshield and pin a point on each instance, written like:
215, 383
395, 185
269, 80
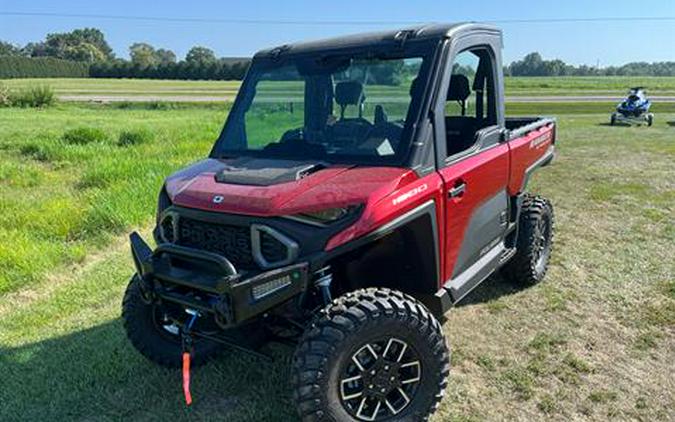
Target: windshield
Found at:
339, 108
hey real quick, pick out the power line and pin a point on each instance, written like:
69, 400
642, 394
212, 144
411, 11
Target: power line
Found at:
327, 22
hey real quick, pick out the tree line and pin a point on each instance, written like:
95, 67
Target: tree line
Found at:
534, 65
85, 52
87, 48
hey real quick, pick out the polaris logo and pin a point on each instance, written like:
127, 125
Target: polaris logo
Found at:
409, 194
218, 199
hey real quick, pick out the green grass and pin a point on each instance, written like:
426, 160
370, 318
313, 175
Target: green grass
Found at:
516, 86
66, 188
594, 341
582, 84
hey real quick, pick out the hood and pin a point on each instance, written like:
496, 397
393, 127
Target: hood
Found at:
265, 187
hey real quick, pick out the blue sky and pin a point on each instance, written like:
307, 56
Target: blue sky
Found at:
609, 43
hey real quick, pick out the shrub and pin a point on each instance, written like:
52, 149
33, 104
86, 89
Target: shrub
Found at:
5, 96
41, 67
135, 137
35, 96
84, 135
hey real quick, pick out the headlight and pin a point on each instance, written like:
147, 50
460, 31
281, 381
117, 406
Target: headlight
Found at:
327, 216
164, 229
162, 203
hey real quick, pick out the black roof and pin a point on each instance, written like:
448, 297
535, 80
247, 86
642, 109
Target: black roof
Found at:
428, 31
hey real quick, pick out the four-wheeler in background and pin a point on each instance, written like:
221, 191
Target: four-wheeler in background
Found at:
360, 187
633, 109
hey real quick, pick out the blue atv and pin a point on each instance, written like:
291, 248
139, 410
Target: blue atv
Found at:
634, 108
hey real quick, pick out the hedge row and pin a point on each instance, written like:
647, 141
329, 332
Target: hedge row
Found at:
218, 70
41, 67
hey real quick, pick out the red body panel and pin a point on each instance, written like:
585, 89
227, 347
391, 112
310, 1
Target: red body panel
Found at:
525, 151
385, 192
334, 186
484, 175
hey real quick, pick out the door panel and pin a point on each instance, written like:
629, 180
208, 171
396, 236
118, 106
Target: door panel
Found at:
473, 217
484, 231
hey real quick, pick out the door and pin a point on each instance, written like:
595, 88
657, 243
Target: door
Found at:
475, 173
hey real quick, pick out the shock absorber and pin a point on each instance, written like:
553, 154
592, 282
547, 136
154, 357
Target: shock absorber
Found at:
323, 280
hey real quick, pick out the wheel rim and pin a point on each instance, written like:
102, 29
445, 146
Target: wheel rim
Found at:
542, 243
380, 380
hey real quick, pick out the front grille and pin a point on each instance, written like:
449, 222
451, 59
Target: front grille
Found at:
232, 242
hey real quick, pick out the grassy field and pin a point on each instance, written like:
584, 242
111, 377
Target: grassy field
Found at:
60, 199
515, 86
595, 341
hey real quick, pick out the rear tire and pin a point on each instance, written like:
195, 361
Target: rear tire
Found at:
158, 342
612, 120
534, 243
650, 119
373, 354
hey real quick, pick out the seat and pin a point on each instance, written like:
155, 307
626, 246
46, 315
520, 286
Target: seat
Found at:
349, 93
380, 117
349, 131
460, 130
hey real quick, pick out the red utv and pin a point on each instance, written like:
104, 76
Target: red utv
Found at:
360, 187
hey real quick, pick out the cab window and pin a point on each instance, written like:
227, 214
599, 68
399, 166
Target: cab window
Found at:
470, 103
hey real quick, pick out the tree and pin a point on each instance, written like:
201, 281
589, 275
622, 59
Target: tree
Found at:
86, 44
96, 38
142, 55
8, 49
84, 52
34, 49
531, 65
164, 56
200, 55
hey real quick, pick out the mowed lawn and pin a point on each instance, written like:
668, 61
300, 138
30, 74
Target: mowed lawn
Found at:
595, 341
515, 86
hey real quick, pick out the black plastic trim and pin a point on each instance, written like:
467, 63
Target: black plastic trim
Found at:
543, 161
213, 283
469, 279
426, 209
308, 239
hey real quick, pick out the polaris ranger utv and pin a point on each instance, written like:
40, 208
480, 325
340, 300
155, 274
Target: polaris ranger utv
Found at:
360, 187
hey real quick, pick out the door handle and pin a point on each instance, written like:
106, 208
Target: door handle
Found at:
458, 190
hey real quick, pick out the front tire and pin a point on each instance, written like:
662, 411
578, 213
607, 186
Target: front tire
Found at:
154, 336
371, 355
534, 243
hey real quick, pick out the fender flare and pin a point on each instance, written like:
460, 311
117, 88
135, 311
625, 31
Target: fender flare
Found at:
425, 210
542, 161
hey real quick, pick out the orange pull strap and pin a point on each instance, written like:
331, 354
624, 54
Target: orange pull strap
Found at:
186, 378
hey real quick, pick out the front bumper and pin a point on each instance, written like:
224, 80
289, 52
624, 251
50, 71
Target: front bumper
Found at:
210, 283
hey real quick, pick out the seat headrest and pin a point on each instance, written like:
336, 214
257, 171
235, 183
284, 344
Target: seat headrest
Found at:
415, 87
349, 93
380, 116
459, 88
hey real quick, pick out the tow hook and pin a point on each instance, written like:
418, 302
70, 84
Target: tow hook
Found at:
187, 346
